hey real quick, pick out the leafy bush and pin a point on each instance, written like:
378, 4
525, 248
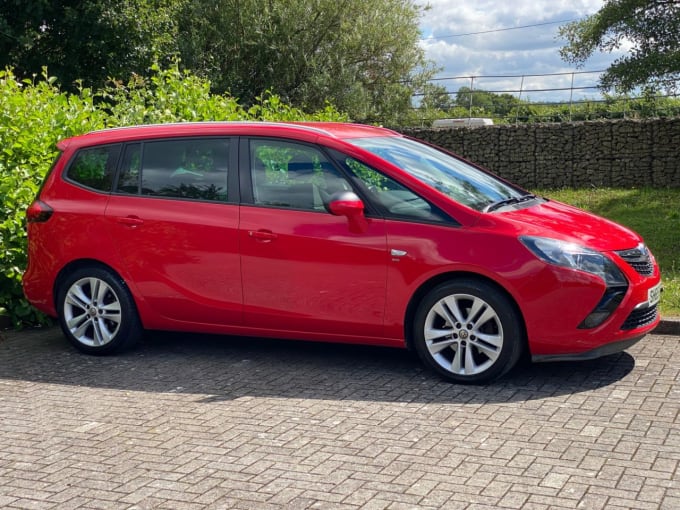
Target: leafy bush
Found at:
34, 115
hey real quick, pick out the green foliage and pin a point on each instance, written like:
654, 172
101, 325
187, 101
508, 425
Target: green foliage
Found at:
168, 95
506, 109
499, 104
34, 115
87, 41
361, 55
172, 95
650, 27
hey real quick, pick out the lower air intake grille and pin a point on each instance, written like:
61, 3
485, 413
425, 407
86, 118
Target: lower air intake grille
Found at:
639, 318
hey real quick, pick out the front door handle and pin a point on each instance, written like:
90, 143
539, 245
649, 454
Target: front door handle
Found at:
265, 236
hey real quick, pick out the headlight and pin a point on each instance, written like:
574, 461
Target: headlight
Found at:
575, 256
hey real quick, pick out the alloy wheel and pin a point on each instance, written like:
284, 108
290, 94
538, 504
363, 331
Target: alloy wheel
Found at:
463, 334
92, 312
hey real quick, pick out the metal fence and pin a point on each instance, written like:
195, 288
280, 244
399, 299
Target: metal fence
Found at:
550, 97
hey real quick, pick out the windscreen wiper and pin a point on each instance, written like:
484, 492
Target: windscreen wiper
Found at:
508, 201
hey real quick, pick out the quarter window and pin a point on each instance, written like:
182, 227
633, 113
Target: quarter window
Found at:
95, 167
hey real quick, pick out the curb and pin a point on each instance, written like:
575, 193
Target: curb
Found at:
5, 323
668, 326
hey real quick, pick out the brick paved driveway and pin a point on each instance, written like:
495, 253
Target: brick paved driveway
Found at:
208, 422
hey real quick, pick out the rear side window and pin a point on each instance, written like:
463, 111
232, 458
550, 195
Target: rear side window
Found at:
94, 167
186, 168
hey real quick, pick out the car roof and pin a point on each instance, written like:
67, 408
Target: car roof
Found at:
298, 130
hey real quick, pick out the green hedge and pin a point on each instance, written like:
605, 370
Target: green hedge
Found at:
35, 114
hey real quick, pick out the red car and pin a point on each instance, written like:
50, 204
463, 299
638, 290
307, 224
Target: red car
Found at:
326, 232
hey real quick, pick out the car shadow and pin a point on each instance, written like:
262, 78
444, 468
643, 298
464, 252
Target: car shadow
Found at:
219, 368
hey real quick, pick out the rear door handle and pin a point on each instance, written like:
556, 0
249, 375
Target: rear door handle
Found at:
131, 221
266, 236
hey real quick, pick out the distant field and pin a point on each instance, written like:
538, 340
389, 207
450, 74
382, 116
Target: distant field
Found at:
653, 213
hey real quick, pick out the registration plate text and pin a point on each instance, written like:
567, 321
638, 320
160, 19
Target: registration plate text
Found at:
654, 295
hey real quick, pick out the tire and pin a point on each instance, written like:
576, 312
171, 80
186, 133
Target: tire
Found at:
468, 332
96, 311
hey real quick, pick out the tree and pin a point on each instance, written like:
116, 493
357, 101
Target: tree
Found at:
492, 103
435, 97
362, 56
652, 27
86, 41
467, 97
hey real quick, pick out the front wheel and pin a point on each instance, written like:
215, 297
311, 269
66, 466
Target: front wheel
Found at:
468, 331
96, 311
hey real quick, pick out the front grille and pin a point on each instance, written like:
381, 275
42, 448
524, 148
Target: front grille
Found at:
641, 317
639, 259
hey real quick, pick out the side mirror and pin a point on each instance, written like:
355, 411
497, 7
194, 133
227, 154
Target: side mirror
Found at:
345, 203
348, 204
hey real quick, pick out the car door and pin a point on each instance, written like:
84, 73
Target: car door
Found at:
415, 229
174, 220
304, 269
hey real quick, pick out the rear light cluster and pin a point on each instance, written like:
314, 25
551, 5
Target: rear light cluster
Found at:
38, 212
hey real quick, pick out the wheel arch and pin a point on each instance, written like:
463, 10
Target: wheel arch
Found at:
75, 265
433, 282
107, 322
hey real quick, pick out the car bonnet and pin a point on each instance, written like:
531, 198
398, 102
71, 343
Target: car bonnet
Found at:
560, 221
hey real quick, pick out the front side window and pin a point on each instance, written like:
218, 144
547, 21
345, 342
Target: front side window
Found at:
394, 199
188, 168
291, 175
94, 167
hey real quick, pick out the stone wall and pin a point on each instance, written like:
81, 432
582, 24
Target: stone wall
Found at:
622, 153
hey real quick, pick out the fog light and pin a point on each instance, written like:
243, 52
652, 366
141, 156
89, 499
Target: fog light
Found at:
610, 301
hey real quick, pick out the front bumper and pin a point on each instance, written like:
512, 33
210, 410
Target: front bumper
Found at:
553, 329
604, 350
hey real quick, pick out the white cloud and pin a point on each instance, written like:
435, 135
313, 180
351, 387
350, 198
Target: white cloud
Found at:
523, 52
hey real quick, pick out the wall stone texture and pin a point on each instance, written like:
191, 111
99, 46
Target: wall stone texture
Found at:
618, 153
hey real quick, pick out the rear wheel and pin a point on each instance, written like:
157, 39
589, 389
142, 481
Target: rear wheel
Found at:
468, 332
96, 311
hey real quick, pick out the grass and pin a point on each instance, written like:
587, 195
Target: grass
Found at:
653, 213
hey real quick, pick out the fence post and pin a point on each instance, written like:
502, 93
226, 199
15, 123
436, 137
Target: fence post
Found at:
571, 95
519, 99
472, 91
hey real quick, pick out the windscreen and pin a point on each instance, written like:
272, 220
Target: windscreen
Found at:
449, 175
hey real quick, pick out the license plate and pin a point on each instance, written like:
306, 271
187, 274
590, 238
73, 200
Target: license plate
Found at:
654, 295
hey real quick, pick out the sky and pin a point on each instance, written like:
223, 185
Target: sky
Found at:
524, 51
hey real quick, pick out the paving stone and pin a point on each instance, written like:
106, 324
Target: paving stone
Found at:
190, 422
